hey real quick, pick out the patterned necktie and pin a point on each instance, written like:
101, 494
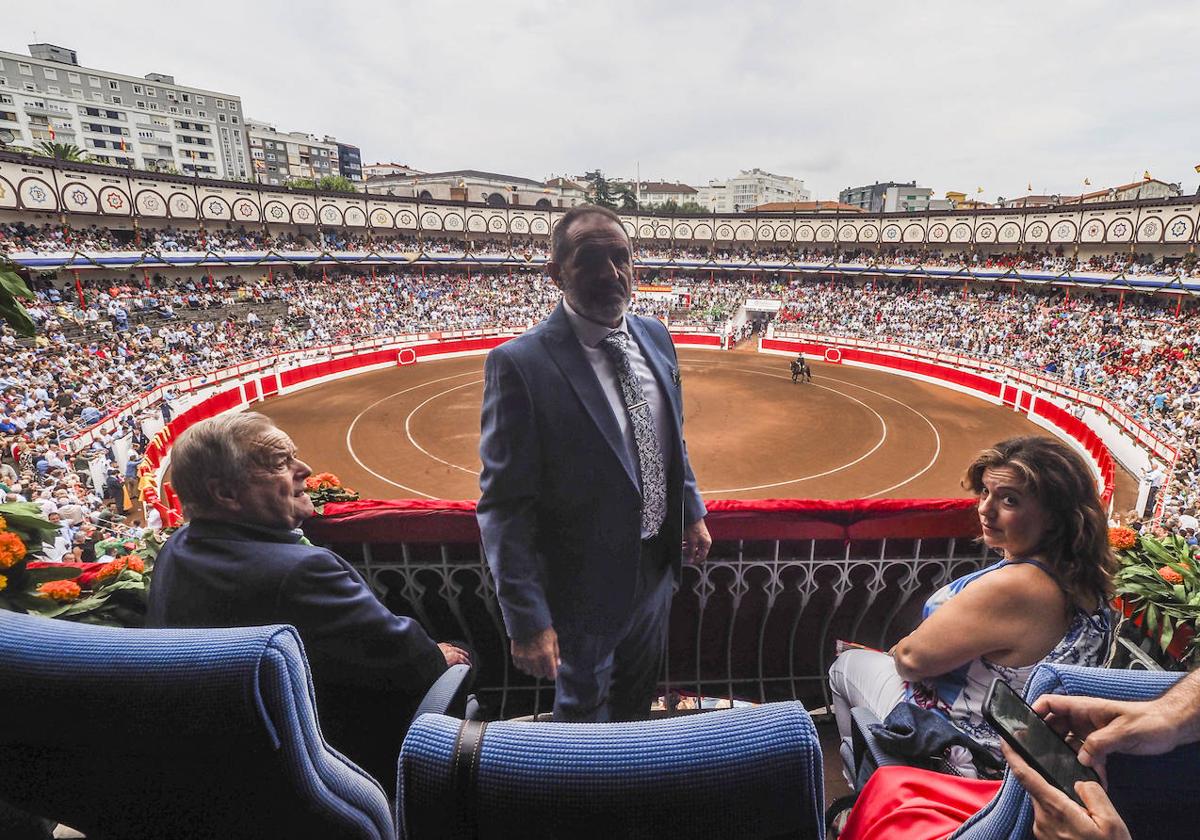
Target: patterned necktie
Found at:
649, 453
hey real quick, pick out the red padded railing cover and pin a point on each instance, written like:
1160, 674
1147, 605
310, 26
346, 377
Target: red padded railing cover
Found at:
422, 520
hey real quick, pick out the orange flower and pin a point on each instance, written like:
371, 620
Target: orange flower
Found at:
11, 549
321, 481
3, 523
110, 570
1170, 575
3, 583
1122, 539
63, 591
136, 564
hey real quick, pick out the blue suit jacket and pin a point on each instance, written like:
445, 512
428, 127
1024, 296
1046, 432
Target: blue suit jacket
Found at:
370, 667
560, 503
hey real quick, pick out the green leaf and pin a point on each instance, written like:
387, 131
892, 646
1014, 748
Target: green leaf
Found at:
26, 519
15, 286
16, 316
1152, 619
36, 577
1168, 633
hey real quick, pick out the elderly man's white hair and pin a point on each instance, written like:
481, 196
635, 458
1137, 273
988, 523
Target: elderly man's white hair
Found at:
220, 449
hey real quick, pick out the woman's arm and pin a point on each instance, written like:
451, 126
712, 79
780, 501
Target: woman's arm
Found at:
1009, 609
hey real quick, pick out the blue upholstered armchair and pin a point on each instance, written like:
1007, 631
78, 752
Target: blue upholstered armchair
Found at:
747, 773
173, 733
1156, 795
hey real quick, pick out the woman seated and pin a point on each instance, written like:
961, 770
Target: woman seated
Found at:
1045, 601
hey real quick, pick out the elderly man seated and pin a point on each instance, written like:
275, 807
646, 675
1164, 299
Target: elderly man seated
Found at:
241, 561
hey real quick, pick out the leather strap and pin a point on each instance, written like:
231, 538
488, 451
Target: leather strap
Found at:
464, 773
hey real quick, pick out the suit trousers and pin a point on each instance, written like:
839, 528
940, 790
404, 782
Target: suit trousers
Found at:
607, 677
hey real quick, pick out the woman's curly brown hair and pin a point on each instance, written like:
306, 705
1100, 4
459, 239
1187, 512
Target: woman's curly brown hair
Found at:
1076, 543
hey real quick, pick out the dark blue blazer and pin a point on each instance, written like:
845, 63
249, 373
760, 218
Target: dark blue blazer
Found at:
560, 503
370, 667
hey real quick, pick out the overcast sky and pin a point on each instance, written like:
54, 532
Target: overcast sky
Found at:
955, 95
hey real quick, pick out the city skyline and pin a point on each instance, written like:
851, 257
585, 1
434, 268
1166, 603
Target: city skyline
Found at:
1010, 98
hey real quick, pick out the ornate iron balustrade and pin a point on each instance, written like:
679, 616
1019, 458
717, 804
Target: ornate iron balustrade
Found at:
757, 622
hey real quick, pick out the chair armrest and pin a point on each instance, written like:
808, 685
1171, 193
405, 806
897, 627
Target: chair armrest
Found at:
1106, 683
448, 694
868, 753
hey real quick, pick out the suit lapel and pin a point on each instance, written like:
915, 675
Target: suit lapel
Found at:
566, 352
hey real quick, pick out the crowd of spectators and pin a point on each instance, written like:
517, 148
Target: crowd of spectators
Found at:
50, 238
128, 335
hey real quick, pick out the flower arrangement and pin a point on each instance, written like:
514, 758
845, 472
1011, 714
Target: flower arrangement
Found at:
110, 591
327, 487
1158, 588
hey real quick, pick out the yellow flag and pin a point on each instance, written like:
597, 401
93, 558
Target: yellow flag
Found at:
1029, 186
1088, 181
979, 190
1146, 176
1197, 167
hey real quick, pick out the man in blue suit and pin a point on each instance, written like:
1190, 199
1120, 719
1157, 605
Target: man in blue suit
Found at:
240, 561
588, 499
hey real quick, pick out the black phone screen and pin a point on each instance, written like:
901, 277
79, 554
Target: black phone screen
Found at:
1036, 742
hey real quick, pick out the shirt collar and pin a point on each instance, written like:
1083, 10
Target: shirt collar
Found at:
589, 333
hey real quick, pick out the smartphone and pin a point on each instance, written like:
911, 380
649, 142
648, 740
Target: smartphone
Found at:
1032, 738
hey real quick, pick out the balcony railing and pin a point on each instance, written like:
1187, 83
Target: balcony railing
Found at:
758, 622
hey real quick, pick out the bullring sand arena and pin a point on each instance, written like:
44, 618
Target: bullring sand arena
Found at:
413, 431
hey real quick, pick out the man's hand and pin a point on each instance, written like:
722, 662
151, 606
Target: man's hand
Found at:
1057, 817
538, 655
696, 543
454, 655
1108, 726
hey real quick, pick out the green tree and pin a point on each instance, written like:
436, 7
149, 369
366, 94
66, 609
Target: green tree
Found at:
62, 151
599, 190
328, 183
13, 287
625, 196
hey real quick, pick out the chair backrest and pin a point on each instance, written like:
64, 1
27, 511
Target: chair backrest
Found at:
1010, 815
173, 733
747, 773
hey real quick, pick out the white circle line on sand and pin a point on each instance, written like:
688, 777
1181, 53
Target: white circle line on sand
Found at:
937, 438
882, 437
422, 449
357, 417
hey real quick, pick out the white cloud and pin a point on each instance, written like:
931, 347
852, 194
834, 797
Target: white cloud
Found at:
953, 94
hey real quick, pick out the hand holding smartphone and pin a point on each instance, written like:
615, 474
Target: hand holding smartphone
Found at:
1041, 747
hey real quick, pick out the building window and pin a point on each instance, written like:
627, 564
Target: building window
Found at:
113, 84
220, 118
221, 103
153, 106
199, 100
187, 111
203, 114
151, 91
141, 104
30, 87
98, 97
25, 69
138, 89
52, 89
76, 93
93, 81
186, 97
173, 109
50, 74
73, 78
116, 100
233, 120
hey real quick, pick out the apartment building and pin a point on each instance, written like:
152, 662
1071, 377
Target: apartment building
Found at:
149, 122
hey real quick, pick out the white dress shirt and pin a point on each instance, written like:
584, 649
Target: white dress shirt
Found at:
590, 334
